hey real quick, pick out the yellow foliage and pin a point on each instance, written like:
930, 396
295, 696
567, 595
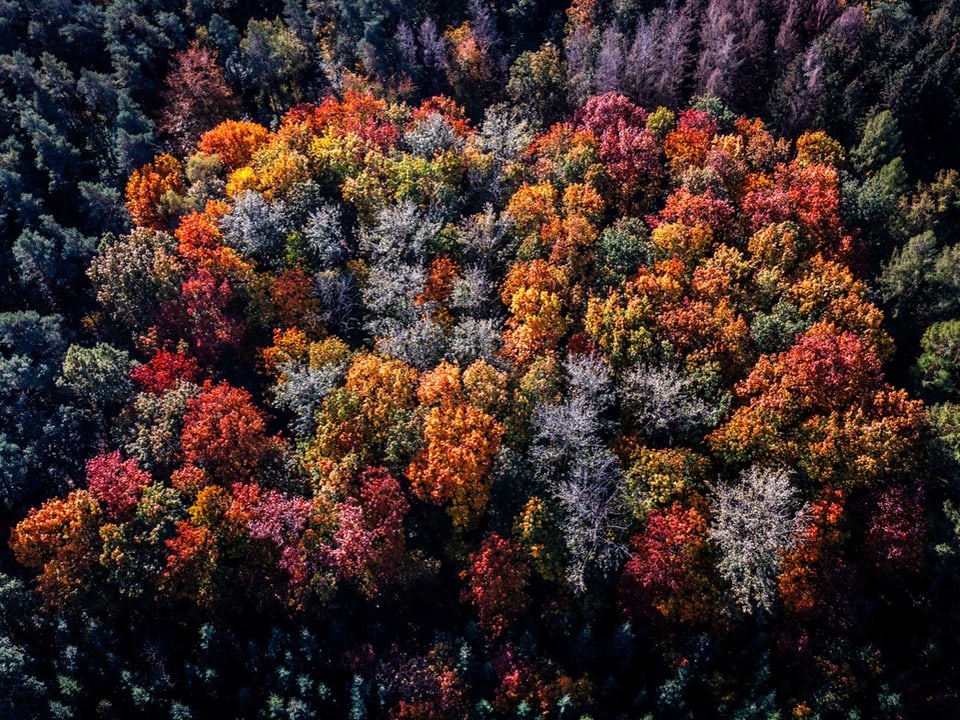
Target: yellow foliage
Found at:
241, 180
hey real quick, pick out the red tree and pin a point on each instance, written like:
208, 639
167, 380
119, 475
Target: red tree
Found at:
116, 483
225, 434
496, 584
196, 96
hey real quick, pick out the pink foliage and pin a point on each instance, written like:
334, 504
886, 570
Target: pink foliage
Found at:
269, 514
629, 151
115, 482
897, 527
369, 543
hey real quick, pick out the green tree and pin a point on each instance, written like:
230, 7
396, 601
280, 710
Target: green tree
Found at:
538, 84
938, 366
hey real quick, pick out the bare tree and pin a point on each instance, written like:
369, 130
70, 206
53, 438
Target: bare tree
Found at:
756, 520
611, 63
585, 478
593, 516
664, 405
676, 29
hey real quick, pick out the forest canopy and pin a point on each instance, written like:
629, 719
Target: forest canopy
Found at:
413, 360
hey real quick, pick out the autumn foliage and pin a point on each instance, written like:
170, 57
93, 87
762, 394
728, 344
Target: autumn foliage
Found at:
410, 384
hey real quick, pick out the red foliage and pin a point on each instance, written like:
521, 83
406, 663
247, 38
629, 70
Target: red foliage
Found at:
826, 369
607, 112
295, 303
116, 483
532, 682
448, 108
629, 151
225, 434
164, 370
662, 578
696, 209
190, 564
206, 299
808, 195
496, 584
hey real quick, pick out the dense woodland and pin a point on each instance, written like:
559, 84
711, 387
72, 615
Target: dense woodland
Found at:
417, 359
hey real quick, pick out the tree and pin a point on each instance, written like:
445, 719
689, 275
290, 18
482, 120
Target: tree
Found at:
256, 228
61, 539
460, 444
366, 420
116, 483
153, 192
134, 276
665, 575
225, 434
271, 66
583, 477
165, 370
369, 543
663, 404
496, 581
756, 521
938, 366
628, 150
97, 377
234, 142
196, 97
537, 82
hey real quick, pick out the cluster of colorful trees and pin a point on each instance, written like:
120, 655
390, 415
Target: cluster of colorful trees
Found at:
419, 361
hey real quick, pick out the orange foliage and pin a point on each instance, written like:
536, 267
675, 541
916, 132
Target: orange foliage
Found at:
806, 571
148, 186
225, 433
533, 291
687, 145
234, 141
294, 301
364, 421
62, 540
290, 345
531, 207
460, 443
828, 292
446, 107
358, 114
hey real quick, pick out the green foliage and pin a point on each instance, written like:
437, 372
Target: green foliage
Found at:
938, 366
98, 378
880, 145
537, 83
